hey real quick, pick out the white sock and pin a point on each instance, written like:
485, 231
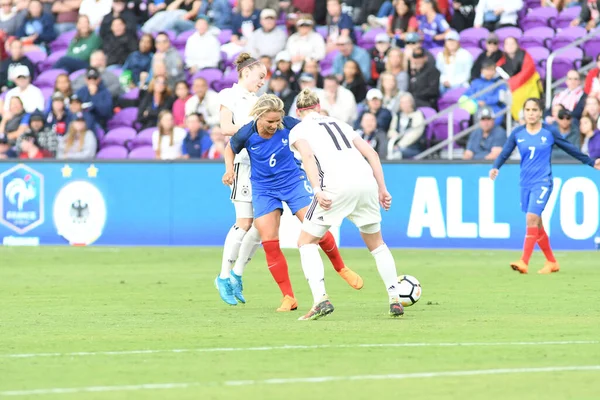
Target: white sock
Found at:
387, 269
250, 244
314, 271
231, 248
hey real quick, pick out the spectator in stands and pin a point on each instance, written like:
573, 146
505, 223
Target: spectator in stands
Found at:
485, 142
267, 40
95, 97
5, 150
216, 151
210, 56
401, 22
79, 143
353, 80
305, 43
166, 14
371, 9
395, 65
45, 139
11, 18
56, 120
494, 14
375, 107
337, 101
424, 81
109, 79
464, 14
62, 85
205, 101
197, 142
168, 55
37, 30
493, 99
156, 99
31, 96
590, 137
67, 13
95, 10
492, 52
307, 81
119, 10
432, 25
378, 56
268, 63
414, 42
15, 121
513, 57
75, 107
391, 94
339, 25
244, 23
568, 130
311, 66
219, 13
592, 109
407, 129
278, 86
559, 4
589, 16
573, 97
81, 47
167, 140
283, 63
30, 148
348, 51
454, 64
16, 59
118, 44
592, 80
141, 60
373, 134
182, 94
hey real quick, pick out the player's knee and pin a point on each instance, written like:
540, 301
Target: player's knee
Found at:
370, 229
306, 238
244, 223
533, 220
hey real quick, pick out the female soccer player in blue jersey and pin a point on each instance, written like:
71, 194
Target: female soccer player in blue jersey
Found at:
276, 177
534, 141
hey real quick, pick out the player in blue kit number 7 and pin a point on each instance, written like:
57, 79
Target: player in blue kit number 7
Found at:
276, 177
535, 141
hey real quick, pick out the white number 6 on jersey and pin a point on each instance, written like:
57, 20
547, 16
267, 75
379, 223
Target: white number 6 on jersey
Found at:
307, 187
272, 160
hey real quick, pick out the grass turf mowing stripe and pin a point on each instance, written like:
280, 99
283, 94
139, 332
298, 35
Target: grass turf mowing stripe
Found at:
297, 347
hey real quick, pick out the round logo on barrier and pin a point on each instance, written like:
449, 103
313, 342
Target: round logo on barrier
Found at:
79, 213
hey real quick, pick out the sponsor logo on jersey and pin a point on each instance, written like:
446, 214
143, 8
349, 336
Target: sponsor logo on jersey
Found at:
284, 141
22, 203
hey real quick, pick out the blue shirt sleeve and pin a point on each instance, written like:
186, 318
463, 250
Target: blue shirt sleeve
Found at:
184, 151
345, 22
290, 122
570, 149
238, 141
25, 119
507, 150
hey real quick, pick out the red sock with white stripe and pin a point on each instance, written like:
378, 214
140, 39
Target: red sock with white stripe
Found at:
278, 266
328, 245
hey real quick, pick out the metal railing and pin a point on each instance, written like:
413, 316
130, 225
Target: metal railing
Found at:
450, 111
549, 85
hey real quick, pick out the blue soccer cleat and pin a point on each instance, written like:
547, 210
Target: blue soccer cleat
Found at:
238, 287
225, 290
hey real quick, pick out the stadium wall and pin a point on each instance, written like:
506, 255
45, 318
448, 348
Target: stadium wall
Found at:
435, 205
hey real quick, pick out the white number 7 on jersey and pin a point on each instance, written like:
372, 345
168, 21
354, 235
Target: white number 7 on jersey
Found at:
532, 152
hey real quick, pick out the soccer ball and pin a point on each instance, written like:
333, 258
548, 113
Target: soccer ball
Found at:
410, 290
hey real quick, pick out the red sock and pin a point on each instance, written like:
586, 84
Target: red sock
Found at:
544, 243
530, 239
278, 266
330, 248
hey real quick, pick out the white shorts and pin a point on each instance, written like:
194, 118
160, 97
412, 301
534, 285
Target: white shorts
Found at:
359, 204
241, 192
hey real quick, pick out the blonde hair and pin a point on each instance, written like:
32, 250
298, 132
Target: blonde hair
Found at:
306, 99
268, 103
244, 60
72, 135
447, 54
388, 64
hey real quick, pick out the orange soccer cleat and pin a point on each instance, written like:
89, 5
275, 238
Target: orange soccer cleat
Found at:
520, 266
288, 304
549, 267
352, 278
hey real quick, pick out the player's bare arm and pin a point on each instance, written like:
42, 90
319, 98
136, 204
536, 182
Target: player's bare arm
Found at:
385, 198
227, 125
228, 156
312, 172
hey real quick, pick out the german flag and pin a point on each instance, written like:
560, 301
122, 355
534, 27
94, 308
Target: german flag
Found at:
524, 84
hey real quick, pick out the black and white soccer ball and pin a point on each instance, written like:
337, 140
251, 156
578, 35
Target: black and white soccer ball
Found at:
410, 290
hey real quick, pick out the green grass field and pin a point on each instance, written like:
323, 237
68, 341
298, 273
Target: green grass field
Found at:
73, 320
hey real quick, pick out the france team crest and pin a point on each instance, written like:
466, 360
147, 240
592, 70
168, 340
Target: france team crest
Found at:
22, 205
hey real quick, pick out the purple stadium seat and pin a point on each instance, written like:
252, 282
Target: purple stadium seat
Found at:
36, 57
62, 41
539, 55
435, 51
209, 74
566, 16
49, 62
474, 37
224, 36
76, 74
126, 117
368, 39
440, 125
322, 30
358, 32
143, 153
327, 62
144, 138
132, 94
112, 153
182, 38
217, 86
118, 136
567, 36
540, 17
100, 133
569, 59
48, 78
428, 113
540, 36
450, 98
116, 71
509, 31
47, 92
475, 51
592, 47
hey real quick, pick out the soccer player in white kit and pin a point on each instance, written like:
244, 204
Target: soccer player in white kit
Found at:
243, 239
345, 186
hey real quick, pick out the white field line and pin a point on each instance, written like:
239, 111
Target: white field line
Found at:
286, 381
297, 347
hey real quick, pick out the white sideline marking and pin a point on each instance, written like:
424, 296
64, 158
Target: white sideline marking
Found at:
296, 347
285, 381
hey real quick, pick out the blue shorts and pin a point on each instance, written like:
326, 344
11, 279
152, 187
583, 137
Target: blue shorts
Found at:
534, 199
295, 196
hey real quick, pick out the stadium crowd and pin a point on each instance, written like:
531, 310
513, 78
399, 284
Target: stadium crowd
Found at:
140, 79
